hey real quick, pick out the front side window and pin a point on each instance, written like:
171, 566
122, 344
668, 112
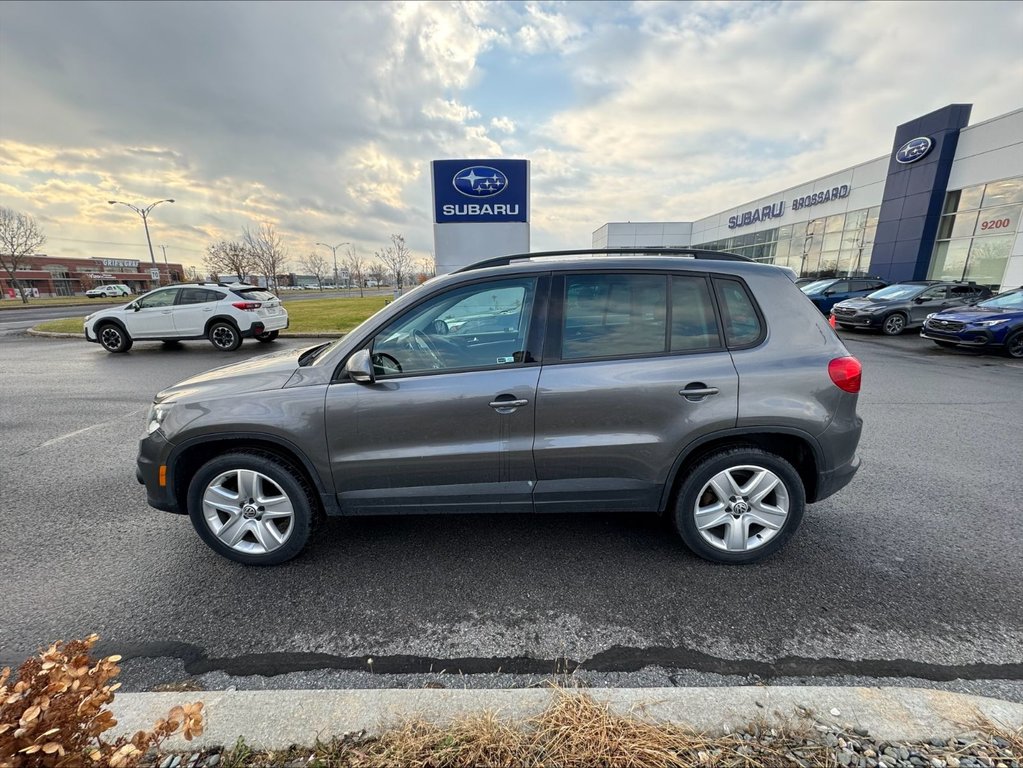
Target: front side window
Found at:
482, 325
940, 292
162, 298
614, 315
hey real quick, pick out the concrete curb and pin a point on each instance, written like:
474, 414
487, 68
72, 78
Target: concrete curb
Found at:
279, 719
56, 335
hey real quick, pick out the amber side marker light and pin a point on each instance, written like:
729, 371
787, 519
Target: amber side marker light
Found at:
163, 475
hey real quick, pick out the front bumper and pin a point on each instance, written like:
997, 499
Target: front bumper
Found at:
967, 337
860, 321
154, 451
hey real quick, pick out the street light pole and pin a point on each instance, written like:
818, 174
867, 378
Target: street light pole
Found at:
333, 250
144, 213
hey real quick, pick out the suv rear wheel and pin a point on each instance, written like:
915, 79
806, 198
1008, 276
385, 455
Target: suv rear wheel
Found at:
113, 338
252, 508
739, 505
225, 337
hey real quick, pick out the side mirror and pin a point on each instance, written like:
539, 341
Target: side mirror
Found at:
360, 367
920, 300
135, 305
829, 293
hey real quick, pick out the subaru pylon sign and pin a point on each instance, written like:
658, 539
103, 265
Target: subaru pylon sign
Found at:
480, 191
480, 210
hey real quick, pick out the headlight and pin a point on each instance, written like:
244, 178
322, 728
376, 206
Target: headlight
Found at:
157, 413
930, 315
991, 323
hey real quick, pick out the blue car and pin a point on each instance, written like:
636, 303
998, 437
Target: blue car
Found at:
996, 323
827, 293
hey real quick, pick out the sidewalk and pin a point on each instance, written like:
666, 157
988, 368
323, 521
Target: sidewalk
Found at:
278, 719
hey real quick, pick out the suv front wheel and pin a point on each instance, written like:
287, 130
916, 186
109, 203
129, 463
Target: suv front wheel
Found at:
225, 337
252, 508
739, 505
113, 338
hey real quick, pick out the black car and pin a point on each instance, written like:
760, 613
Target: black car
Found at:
905, 305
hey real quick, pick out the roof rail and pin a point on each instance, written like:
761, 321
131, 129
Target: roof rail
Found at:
693, 253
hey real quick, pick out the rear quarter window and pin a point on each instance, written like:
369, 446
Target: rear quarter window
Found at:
741, 320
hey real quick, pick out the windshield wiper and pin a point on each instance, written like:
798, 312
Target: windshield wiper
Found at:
311, 354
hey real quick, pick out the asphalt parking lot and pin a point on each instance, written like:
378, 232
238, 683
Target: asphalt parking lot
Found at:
911, 573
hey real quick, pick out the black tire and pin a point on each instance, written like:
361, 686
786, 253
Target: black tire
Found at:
289, 480
267, 336
693, 488
113, 338
1014, 345
224, 336
894, 324
945, 344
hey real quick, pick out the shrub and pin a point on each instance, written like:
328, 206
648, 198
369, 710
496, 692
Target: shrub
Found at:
55, 715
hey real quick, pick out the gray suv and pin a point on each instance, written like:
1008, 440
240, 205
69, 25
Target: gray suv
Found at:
698, 385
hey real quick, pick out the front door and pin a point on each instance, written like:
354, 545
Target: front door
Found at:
447, 426
155, 316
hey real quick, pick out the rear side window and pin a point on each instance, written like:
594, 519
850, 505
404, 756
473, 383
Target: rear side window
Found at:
198, 296
741, 321
693, 324
614, 315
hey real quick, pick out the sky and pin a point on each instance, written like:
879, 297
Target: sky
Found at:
322, 118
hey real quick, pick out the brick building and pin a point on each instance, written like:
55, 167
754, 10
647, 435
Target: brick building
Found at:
62, 276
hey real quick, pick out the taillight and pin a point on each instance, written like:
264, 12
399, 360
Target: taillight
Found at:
247, 305
846, 372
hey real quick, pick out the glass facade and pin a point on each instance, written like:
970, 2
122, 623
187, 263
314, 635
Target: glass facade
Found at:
830, 246
976, 233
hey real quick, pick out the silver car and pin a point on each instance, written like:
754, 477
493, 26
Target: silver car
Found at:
697, 385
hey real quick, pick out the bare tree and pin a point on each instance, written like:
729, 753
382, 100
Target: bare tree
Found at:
192, 273
268, 251
397, 260
20, 238
229, 258
356, 266
317, 266
374, 272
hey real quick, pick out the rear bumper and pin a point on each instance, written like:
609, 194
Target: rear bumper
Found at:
830, 483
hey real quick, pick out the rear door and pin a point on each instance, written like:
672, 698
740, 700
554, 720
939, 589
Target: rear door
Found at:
194, 308
612, 415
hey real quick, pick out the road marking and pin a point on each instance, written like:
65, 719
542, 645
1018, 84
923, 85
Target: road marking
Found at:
69, 435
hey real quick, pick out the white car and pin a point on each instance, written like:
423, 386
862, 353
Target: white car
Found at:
224, 314
108, 291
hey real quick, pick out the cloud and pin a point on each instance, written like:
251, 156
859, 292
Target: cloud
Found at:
323, 117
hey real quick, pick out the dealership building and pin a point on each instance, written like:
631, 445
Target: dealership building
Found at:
60, 276
944, 204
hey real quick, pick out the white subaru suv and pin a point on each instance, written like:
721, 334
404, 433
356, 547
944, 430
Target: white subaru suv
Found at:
224, 314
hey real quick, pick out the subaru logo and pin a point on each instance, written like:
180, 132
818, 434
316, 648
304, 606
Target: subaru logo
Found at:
913, 150
480, 181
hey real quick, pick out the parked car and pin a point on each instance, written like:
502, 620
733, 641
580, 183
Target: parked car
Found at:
224, 314
108, 291
697, 384
826, 293
995, 323
904, 305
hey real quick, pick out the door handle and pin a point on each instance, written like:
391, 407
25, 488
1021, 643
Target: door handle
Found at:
696, 391
508, 403
208, 309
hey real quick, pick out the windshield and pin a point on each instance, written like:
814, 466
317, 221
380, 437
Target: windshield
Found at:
895, 292
818, 286
1012, 300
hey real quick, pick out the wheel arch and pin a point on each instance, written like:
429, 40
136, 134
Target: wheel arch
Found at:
186, 459
220, 319
797, 447
112, 321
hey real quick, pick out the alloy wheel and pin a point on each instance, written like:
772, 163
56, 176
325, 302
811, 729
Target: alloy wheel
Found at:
741, 508
111, 337
248, 511
223, 336
894, 325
